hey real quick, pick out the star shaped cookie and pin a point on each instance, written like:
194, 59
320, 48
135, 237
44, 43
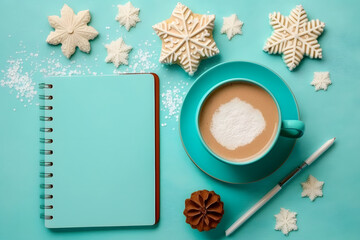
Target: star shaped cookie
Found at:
321, 80
186, 38
294, 36
231, 26
71, 30
312, 188
286, 221
128, 15
118, 52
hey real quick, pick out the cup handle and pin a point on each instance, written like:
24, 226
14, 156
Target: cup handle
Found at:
292, 128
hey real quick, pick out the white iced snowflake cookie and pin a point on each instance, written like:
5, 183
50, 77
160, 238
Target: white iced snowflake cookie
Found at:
186, 38
71, 30
231, 26
312, 188
118, 52
321, 80
294, 36
286, 221
128, 15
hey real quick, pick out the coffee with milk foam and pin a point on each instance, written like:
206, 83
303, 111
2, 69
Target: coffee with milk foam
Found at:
238, 121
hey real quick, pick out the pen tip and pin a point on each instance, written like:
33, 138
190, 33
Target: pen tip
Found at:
334, 138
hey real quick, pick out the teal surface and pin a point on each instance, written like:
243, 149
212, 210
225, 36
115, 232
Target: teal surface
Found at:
333, 113
103, 151
195, 146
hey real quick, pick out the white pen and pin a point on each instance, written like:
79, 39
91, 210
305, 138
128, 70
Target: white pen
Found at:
278, 187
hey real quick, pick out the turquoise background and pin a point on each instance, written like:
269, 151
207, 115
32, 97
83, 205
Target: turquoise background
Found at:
326, 114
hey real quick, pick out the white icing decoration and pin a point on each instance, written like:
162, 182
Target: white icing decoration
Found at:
294, 36
236, 124
128, 15
71, 31
312, 188
231, 26
286, 221
187, 38
321, 80
118, 52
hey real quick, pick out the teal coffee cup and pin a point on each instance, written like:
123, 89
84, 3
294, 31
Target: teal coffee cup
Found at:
290, 128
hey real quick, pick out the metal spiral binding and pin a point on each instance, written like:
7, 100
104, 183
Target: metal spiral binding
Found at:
44, 140
46, 186
46, 175
46, 129
46, 196
46, 217
46, 164
46, 151
46, 108
46, 97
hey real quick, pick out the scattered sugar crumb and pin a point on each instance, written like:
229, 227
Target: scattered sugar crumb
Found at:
171, 101
172, 97
18, 73
16, 79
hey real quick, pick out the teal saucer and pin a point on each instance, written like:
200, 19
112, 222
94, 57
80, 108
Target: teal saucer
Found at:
192, 143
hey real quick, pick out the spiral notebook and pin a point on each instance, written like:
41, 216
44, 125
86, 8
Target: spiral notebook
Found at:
100, 150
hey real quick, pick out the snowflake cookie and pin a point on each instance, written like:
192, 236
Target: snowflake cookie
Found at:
128, 15
321, 80
294, 36
312, 188
231, 26
286, 221
118, 52
186, 38
71, 31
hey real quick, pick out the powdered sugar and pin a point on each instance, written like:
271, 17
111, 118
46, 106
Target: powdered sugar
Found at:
172, 98
54, 66
236, 123
18, 74
19, 81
